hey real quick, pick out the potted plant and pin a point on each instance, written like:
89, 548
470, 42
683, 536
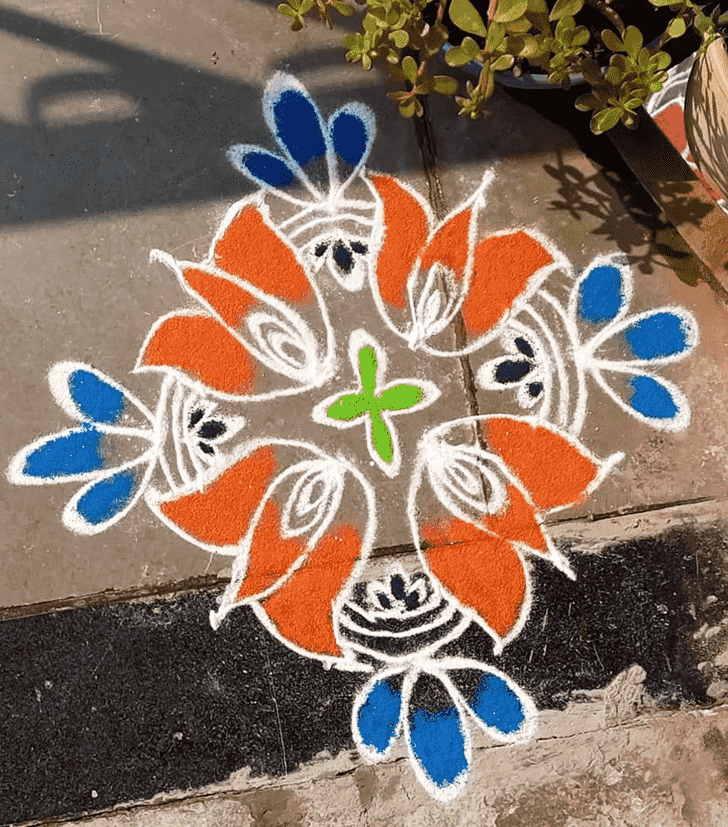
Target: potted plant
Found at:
621, 48
706, 113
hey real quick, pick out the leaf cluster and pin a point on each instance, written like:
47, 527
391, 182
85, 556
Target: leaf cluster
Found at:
544, 35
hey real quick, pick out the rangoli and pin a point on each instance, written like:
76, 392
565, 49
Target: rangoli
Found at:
273, 349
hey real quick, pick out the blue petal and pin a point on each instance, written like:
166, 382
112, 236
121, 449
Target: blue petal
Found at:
378, 717
106, 498
601, 294
352, 132
652, 399
70, 453
497, 705
659, 335
95, 398
263, 167
294, 119
438, 744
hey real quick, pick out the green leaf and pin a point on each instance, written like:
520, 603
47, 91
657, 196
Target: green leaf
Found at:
456, 57
503, 62
284, 8
564, 29
613, 75
587, 102
381, 437
581, 36
400, 398
508, 10
564, 8
633, 103
606, 119
409, 66
368, 369
677, 27
466, 17
349, 407
369, 23
435, 39
407, 108
723, 18
518, 26
702, 23
400, 38
297, 24
306, 6
538, 6
611, 41
524, 45
471, 48
444, 85
366, 62
496, 35
632, 41
344, 9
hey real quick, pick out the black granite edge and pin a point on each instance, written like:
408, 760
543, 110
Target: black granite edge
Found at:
103, 705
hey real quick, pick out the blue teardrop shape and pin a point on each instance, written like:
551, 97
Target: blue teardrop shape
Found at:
95, 398
652, 399
601, 294
379, 716
438, 744
656, 336
264, 167
76, 452
350, 136
297, 126
497, 705
107, 498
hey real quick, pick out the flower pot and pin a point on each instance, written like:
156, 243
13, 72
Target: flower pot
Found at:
706, 114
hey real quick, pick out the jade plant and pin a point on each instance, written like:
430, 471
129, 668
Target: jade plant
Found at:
545, 36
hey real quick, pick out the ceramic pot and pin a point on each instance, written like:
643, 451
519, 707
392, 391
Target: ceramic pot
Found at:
706, 114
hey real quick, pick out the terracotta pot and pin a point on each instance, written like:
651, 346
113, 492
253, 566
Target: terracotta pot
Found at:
706, 114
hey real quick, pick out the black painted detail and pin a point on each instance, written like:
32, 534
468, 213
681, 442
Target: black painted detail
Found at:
358, 247
196, 416
429, 694
343, 257
212, 429
510, 372
321, 248
208, 449
410, 599
535, 389
524, 346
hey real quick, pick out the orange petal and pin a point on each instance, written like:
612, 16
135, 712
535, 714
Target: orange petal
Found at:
449, 246
203, 349
503, 266
405, 234
302, 608
271, 556
518, 522
251, 249
226, 298
220, 514
481, 570
551, 469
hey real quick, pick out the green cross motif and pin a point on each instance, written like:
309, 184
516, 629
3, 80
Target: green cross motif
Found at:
353, 405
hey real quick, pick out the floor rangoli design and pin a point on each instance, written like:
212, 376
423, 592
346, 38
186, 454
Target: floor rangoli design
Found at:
273, 348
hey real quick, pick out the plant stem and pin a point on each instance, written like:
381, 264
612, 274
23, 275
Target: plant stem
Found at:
609, 13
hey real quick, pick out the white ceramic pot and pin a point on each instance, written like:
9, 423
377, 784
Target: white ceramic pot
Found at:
706, 114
